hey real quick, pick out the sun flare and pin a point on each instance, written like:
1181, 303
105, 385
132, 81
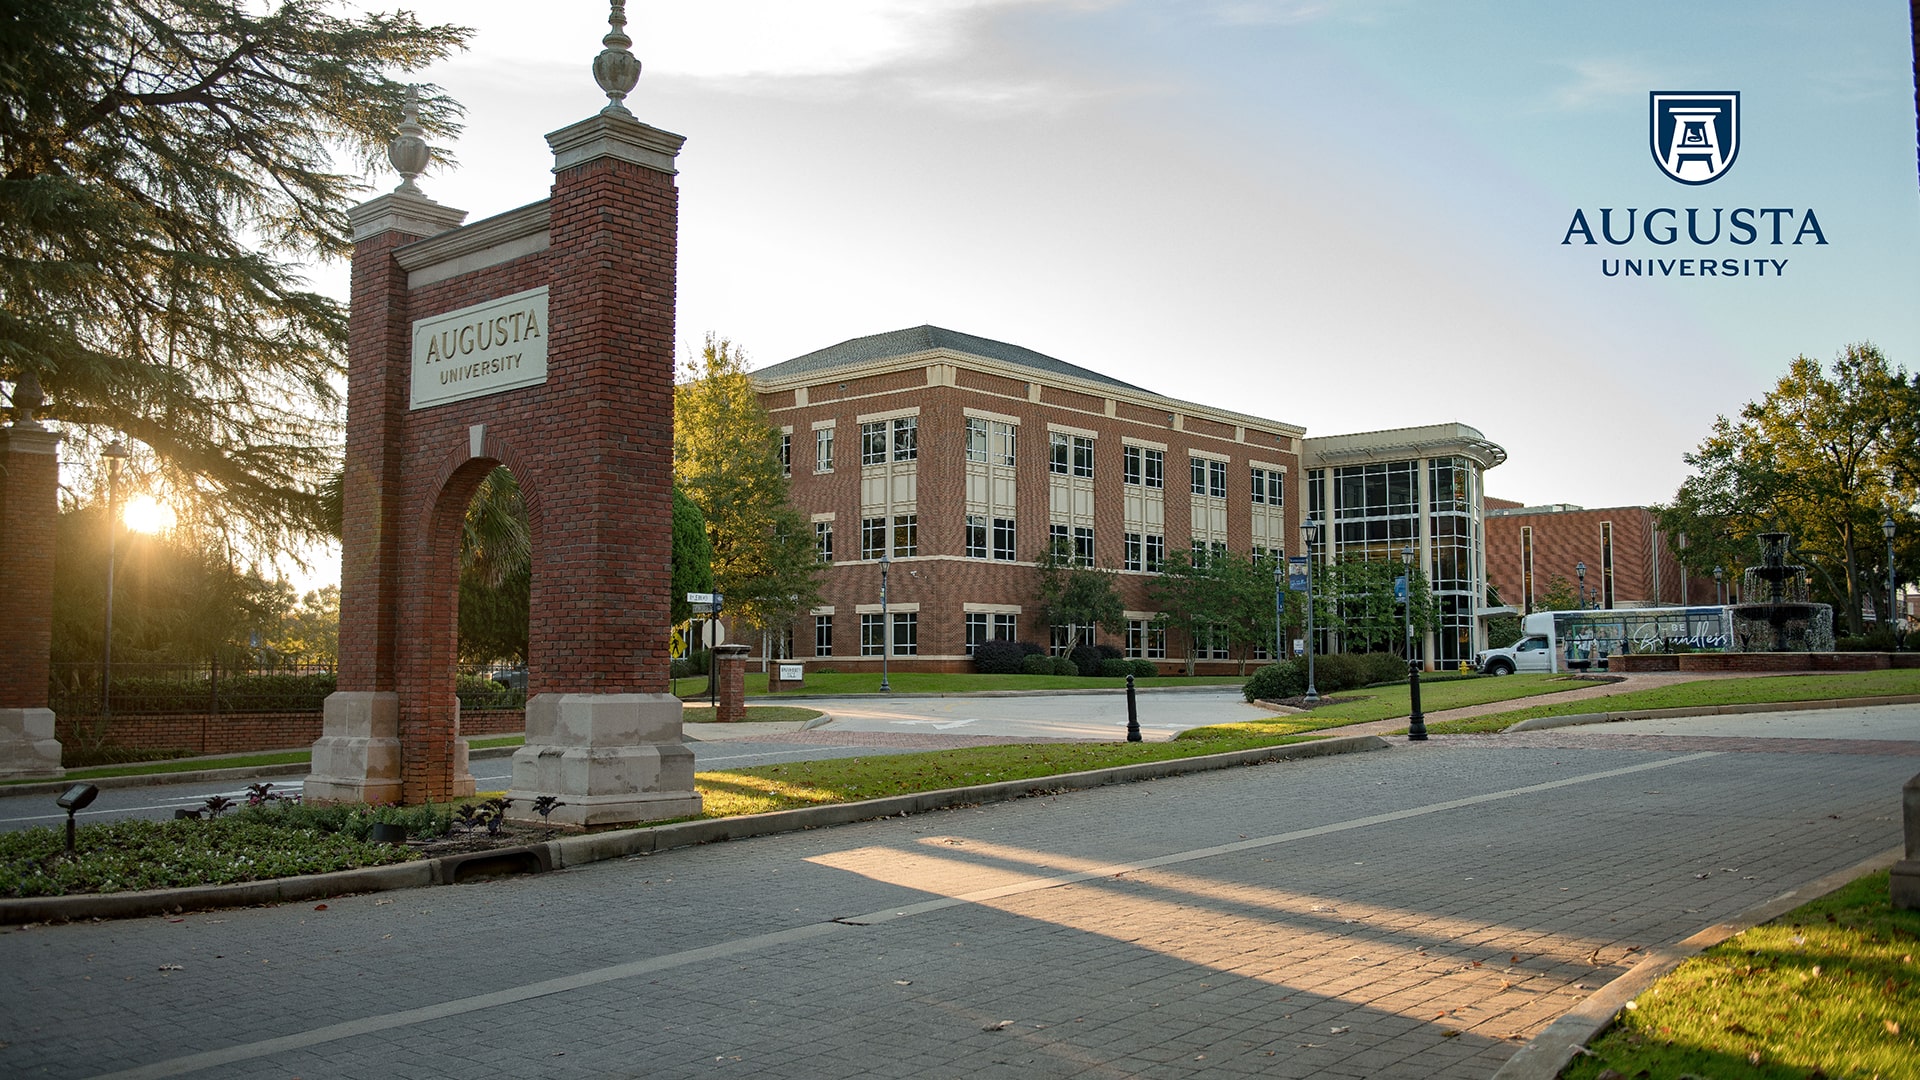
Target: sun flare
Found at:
144, 513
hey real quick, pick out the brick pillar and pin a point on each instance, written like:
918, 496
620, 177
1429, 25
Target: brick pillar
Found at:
730, 671
358, 755
29, 478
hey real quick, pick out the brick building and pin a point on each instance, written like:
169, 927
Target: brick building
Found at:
1627, 559
962, 458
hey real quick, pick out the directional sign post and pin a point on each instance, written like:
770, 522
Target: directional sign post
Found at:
711, 636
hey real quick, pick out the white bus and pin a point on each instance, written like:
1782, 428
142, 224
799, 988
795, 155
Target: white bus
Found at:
1578, 640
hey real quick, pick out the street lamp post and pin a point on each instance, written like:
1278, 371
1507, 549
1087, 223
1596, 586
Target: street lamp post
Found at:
1310, 533
115, 453
1416, 720
1580, 571
1719, 581
1893, 595
886, 625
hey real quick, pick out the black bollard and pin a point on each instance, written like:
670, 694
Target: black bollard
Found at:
1133, 714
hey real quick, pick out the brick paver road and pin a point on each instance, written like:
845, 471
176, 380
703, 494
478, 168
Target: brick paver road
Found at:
1409, 913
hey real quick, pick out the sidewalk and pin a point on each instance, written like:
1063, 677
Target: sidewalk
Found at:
1620, 685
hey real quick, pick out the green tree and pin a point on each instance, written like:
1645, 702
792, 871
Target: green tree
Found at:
692, 555
1559, 595
1074, 595
1193, 596
726, 456
310, 632
165, 168
1361, 609
1825, 456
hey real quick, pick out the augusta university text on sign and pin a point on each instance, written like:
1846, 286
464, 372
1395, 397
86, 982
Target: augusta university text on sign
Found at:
479, 350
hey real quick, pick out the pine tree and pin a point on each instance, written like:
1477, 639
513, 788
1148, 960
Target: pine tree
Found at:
164, 168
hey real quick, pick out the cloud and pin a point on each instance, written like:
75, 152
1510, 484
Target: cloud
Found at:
1597, 82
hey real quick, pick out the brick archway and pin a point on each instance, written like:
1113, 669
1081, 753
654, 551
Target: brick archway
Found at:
540, 339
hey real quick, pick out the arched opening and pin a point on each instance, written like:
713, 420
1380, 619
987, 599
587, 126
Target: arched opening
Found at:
496, 579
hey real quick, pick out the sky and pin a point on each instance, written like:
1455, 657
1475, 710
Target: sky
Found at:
1344, 214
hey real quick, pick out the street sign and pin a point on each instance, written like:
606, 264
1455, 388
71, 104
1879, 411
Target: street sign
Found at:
712, 633
710, 599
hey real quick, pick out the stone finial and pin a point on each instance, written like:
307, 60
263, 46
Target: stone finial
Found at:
408, 150
27, 398
616, 69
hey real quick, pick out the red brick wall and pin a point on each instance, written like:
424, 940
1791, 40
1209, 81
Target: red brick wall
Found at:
241, 733
1563, 539
28, 482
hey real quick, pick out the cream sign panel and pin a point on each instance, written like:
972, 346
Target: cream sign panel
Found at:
480, 350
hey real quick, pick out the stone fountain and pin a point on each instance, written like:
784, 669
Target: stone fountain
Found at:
1775, 615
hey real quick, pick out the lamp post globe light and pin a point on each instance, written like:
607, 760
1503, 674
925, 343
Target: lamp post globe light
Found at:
1310, 534
1719, 580
1893, 595
115, 453
886, 624
1416, 720
1580, 571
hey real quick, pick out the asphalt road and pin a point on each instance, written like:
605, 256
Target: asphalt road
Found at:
1414, 912
1053, 716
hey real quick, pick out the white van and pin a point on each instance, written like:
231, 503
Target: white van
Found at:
1555, 641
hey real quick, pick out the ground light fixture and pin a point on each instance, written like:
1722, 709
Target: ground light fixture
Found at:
73, 800
1310, 534
1416, 720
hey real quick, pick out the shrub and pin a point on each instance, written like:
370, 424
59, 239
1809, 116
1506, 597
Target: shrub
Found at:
1383, 667
1144, 669
1064, 665
1039, 664
1110, 652
1086, 660
1873, 641
1002, 657
699, 658
1116, 669
1286, 679
681, 668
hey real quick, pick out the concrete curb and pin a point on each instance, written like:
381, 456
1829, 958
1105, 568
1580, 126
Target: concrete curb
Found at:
777, 699
1549, 1052
1574, 719
202, 776
580, 850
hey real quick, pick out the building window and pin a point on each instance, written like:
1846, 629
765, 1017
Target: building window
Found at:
976, 439
823, 450
906, 438
823, 541
873, 634
823, 635
1156, 467
906, 535
1156, 554
1070, 636
1144, 467
1083, 545
1606, 565
873, 443
1071, 455
1209, 642
989, 441
976, 536
1060, 541
906, 633
984, 626
786, 453
1003, 539
1133, 552
873, 537
1269, 487
1146, 641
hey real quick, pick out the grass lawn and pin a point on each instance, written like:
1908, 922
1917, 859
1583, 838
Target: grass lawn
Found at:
1388, 702
698, 713
837, 780
1757, 690
1830, 989
835, 683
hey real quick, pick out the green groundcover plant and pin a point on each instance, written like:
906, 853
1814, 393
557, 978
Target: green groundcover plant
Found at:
250, 844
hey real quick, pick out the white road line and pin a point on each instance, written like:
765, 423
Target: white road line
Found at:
739, 946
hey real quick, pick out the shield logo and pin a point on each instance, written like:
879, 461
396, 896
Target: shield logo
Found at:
1694, 135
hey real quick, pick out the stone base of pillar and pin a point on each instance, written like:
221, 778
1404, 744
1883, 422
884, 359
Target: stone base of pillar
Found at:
357, 757
27, 746
612, 759
1905, 880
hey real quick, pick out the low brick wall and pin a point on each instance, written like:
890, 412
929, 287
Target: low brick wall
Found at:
1761, 663
248, 732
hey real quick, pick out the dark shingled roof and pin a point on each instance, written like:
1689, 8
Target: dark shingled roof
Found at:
921, 339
